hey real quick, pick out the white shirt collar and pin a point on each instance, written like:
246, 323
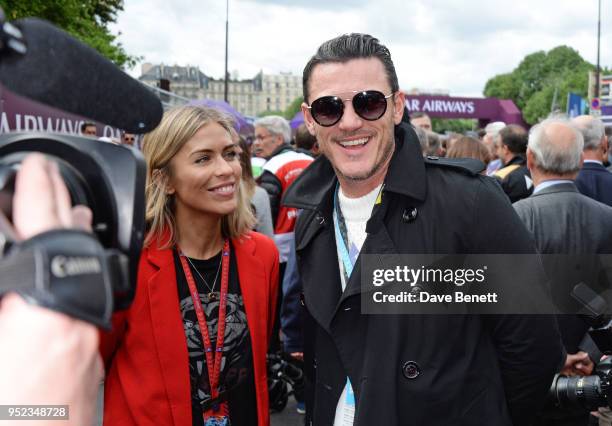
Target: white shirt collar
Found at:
547, 183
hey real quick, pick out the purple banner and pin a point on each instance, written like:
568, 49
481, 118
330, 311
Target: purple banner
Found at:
484, 109
19, 114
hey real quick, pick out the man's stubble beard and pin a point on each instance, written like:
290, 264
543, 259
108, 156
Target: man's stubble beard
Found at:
385, 158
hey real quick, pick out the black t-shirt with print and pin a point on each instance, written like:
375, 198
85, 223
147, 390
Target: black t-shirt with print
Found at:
237, 382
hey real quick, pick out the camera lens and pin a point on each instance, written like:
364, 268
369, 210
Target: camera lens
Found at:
108, 179
77, 186
582, 391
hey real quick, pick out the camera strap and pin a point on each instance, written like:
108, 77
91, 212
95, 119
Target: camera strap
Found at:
66, 270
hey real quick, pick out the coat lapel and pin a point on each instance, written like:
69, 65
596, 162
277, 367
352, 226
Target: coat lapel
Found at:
257, 299
168, 333
317, 258
253, 287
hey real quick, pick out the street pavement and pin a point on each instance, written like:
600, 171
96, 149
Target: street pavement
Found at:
288, 417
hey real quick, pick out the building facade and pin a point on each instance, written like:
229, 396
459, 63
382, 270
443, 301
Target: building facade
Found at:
251, 97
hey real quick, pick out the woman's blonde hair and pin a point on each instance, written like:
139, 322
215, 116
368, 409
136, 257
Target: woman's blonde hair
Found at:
177, 127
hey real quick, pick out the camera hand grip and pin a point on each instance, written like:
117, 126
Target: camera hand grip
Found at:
68, 271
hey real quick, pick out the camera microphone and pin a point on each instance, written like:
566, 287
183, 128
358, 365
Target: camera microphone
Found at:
62, 72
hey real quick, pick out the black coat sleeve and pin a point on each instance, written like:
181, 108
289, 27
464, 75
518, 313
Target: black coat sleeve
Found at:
529, 347
273, 187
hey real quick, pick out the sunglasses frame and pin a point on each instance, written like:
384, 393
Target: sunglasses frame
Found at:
352, 99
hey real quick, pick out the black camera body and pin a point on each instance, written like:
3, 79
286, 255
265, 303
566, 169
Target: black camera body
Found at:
107, 178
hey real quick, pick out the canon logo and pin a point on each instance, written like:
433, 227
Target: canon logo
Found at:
62, 266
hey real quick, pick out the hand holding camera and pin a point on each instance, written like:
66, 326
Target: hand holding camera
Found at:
48, 358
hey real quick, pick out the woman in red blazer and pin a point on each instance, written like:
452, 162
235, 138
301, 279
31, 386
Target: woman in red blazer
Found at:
201, 269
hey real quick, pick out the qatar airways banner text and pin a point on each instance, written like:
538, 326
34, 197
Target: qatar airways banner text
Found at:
451, 107
19, 114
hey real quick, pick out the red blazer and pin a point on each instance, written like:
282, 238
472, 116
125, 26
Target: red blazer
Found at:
147, 381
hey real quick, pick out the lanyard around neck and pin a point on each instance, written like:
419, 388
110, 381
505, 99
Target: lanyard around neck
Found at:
213, 365
342, 240
341, 232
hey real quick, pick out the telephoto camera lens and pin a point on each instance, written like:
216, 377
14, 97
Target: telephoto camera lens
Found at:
588, 392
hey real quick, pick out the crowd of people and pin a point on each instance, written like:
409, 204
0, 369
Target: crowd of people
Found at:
254, 249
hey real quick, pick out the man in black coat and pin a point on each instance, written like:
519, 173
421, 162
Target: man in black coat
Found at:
394, 369
513, 176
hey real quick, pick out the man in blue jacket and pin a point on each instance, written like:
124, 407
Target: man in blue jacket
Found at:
594, 180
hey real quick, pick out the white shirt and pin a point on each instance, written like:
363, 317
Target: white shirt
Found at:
356, 212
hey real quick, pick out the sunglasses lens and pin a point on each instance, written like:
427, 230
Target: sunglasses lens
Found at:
370, 105
327, 110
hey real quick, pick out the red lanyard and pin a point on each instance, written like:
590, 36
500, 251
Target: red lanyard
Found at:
213, 367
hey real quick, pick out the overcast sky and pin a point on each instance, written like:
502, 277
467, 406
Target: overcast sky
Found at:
451, 45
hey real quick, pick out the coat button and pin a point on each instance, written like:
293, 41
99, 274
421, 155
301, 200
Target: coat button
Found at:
410, 214
411, 370
302, 299
320, 219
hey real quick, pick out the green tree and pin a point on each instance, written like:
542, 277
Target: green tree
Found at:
503, 85
86, 20
441, 125
532, 84
293, 108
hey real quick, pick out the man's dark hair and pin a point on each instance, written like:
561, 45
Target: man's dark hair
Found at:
434, 143
87, 124
515, 138
347, 47
418, 114
303, 138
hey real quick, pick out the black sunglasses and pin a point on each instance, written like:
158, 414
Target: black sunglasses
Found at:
369, 105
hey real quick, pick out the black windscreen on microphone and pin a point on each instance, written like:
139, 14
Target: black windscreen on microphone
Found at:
64, 73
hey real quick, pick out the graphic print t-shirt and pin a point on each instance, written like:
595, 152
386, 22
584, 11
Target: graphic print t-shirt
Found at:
236, 379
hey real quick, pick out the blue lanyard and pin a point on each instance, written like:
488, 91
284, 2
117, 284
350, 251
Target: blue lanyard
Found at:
342, 239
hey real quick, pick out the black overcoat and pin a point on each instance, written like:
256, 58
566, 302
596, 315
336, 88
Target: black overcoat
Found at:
423, 369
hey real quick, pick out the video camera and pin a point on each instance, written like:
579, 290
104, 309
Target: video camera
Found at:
83, 275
